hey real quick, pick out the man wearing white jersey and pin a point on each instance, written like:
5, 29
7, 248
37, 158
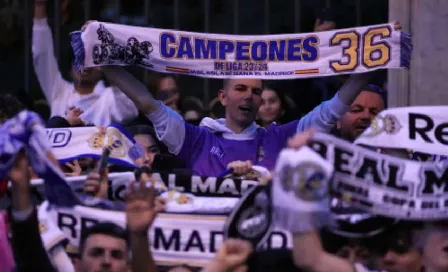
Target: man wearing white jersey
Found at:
101, 105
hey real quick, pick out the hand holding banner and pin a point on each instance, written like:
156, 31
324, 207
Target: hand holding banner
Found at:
286, 56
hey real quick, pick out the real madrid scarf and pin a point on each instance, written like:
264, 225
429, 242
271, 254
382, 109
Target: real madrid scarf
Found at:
376, 183
286, 56
383, 184
300, 190
422, 128
68, 144
26, 131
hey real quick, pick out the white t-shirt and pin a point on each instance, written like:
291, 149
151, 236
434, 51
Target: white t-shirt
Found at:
105, 105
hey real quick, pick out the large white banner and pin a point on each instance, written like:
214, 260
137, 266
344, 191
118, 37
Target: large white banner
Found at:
285, 56
175, 238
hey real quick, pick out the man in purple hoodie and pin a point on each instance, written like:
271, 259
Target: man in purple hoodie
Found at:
208, 148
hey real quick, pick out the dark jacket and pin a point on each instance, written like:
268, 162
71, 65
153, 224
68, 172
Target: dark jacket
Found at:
28, 249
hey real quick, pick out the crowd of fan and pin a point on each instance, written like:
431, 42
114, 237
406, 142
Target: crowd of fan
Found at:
170, 145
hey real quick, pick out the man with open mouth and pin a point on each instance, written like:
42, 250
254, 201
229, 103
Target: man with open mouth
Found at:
207, 149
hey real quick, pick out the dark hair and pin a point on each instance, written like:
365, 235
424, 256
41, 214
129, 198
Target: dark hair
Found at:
105, 228
286, 107
142, 129
147, 130
217, 110
378, 90
10, 106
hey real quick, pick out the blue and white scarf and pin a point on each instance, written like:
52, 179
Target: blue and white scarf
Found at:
285, 56
26, 131
68, 144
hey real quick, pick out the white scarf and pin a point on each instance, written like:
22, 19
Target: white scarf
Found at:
68, 144
300, 189
422, 128
175, 238
284, 56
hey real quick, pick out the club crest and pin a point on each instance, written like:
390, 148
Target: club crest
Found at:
307, 181
113, 140
388, 124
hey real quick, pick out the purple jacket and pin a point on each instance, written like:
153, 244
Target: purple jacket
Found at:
209, 148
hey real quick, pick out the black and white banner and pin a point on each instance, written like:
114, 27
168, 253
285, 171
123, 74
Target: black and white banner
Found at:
423, 129
385, 185
183, 193
175, 238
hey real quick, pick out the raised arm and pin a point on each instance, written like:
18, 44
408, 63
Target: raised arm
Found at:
142, 208
324, 117
29, 252
168, 124
303, 219
132, 88
44, 60
309, 255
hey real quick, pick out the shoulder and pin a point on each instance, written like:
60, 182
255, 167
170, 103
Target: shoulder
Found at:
199, 131
289, 128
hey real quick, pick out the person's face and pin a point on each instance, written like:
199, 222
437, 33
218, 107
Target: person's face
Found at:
167, 84
242, 100
150, 146
354, 253
271, 107
104, 253
400, 255
435, 252
89, 77
362, 111
168, 92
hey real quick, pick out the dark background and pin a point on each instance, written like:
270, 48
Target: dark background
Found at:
224, 16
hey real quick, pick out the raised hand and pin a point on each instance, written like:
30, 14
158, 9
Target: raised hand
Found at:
231, 256
240, 167
73, 116
86, 24
397, 25
301, 139
96, 186
75, 167
142, 206
323, 26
